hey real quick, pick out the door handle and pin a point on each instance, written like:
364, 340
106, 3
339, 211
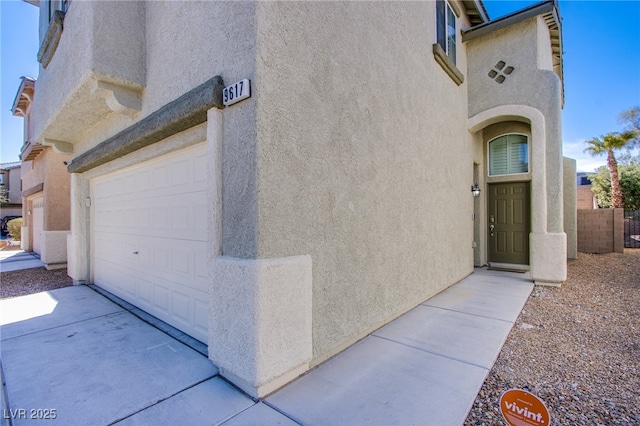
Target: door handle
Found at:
491, 227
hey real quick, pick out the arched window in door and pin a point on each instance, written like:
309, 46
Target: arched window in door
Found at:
509, 154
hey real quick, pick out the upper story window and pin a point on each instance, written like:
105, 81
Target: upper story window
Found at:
55, 11
53, 5
508, 155
446, 29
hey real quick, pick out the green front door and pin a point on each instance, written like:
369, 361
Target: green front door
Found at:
509, 223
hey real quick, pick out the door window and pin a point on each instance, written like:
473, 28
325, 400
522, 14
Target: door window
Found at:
508, 155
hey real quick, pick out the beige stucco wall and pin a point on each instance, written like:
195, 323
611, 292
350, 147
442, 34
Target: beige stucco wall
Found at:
14, 192
363, 160
570, 206
99, 42
524, 87
532, 94
48, 169
353, 152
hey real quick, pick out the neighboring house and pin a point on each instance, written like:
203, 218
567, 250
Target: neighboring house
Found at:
586, 197
45, 189
10, 186
285, 227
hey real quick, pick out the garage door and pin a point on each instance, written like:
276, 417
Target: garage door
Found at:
149, 237
37, 218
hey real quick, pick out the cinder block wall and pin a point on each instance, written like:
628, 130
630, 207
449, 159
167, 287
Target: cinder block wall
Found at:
601, 230
585, 197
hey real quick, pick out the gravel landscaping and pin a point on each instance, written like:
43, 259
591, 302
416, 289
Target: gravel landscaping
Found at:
576, 347
28, 281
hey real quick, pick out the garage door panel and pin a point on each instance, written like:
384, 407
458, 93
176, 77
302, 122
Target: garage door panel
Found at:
113, 278
201, 269
161, 300
145, 293
161, 259
180, 173
106, 245
150, 236
181, 308
175, 260
200, 171
179, 305
201, 322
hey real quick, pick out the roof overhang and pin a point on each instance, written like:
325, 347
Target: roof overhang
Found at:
31, 150
10, 166
24, 97
476, 12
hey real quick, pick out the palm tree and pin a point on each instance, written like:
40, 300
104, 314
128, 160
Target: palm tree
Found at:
609, 143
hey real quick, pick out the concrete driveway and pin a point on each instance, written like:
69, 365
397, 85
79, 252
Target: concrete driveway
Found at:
75, 357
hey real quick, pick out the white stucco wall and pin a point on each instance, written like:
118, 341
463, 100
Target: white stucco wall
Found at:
363, 161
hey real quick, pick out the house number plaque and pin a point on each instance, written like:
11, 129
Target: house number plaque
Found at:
236, 92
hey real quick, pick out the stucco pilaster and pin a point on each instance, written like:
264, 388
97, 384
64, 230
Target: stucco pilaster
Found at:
260, 333
78, 241
54, 249
215, 133
548, 258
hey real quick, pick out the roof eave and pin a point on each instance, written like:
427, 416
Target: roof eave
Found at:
24, 83
508, 20
476, 11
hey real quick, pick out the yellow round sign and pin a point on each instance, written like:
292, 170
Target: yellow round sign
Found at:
522, 408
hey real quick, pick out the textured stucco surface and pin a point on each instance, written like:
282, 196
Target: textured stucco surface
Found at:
364, 168
523, 87
187, 111
525, 46
260, 328
570, 206
551, 250
66, 108
49, 172
46, 176
54, 249
11, 183
353, 156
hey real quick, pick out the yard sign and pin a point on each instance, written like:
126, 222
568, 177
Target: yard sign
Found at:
521, 408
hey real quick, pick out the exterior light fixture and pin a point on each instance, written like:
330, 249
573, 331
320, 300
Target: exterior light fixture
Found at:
475, 190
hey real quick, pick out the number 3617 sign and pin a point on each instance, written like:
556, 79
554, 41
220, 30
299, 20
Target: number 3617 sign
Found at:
236, 92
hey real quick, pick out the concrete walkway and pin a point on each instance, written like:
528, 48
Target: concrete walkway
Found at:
14, 260
75, 355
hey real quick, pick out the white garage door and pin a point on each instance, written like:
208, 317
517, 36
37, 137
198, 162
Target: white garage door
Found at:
150, 234
37, 218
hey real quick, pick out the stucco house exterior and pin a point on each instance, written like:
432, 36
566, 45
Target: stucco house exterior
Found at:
10, 184
335, 196
45, 189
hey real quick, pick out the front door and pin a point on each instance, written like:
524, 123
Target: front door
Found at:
509, 223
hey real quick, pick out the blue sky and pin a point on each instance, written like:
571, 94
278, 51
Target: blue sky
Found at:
601, 67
